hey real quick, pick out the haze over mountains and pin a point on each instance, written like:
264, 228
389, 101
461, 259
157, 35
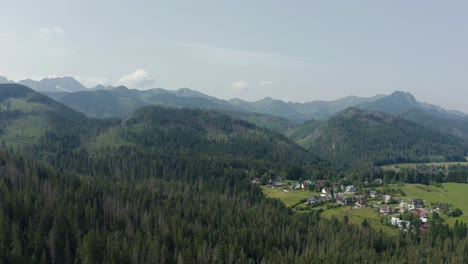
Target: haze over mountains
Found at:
282, 116
396, 103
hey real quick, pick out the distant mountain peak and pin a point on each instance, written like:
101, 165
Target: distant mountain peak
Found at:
56, 84
404, 95
5, 80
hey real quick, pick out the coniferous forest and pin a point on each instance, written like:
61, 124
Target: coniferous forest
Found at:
170, 185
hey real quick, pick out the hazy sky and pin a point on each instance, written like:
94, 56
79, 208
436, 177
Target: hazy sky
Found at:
290, 50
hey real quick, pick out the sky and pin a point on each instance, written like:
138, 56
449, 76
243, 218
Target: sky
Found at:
290, 50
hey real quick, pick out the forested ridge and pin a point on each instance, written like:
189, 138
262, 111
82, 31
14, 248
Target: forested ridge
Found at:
361, 138
173, 186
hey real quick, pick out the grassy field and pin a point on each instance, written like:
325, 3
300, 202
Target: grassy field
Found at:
288, 198
24, 131
452, 193
455, 194
397, 167
357, 216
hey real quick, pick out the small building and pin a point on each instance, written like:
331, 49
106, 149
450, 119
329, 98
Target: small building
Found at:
320, 182
378, 181
395, 221
417, 203
351, 188
385, 209
256, 181
387, 199
373, 193
312, 200
361, 202
344, 200
326, 190
280, 184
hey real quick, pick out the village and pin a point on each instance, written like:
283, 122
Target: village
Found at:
388, 203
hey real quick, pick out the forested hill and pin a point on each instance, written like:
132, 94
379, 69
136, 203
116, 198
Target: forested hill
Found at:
19, 98
42, 128
145, 194
361, 138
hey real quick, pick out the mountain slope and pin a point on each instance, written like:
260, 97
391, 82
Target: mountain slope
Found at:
59, 84
122, 102
28, 117
358, 137
430, 116
42, 127
300, 112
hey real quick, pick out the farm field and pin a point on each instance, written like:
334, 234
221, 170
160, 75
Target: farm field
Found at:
397, 167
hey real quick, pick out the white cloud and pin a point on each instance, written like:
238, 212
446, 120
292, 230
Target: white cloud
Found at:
267, 83
140, 79
240, 86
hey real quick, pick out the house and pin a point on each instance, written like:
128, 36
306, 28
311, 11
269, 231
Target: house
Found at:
361, 202
326, 190
404, 205
256, 181
351, 188
421, 212
387, 199
385, 209
417, 203
404, 224
280, 184
378, 181
320, 182
307, 184
297, 187
373, 193
344, 200
312, 200
395, 221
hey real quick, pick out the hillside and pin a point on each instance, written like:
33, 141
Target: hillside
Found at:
27, 116
59, 84
301, 112
430, 116
122, 102
166, 185
42, 127
358, 137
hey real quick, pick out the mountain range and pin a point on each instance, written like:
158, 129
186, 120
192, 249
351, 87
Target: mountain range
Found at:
352, 137
276, 114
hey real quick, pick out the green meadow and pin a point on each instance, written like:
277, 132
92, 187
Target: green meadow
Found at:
397, 167
289, 198
455, 194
